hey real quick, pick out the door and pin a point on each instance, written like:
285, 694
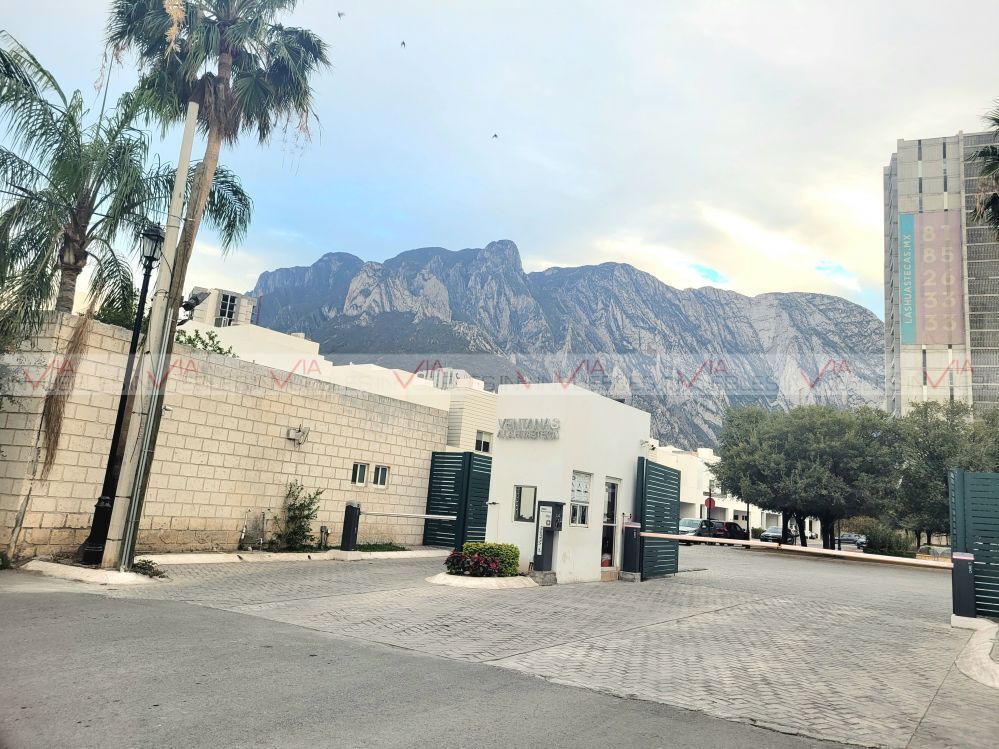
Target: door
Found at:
658, 506
459, 486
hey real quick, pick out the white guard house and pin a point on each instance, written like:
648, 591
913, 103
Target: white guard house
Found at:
563, 443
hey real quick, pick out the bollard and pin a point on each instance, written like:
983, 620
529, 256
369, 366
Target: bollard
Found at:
351, 519
324, 537
962, 579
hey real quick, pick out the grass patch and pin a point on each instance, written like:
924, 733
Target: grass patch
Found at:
360, 547
376, 547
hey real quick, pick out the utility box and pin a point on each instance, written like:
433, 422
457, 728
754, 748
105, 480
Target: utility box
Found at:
549, 524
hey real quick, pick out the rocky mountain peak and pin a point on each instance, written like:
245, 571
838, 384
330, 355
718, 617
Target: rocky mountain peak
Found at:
477, 309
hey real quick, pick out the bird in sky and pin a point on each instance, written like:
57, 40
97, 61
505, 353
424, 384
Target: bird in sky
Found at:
495, 135
403, 45
340, 14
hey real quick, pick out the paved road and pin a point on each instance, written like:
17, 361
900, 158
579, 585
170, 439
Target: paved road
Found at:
851, 652
87, 670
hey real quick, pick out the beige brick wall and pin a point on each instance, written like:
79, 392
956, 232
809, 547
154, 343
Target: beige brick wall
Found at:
222, 456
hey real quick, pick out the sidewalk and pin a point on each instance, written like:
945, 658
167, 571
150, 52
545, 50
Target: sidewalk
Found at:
212, 557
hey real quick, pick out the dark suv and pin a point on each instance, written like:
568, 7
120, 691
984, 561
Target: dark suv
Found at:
736, 531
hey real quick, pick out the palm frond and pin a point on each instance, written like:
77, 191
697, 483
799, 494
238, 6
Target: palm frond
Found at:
986, 160
229, 208
111, 275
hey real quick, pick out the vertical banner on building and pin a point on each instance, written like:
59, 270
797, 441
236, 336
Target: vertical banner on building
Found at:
940, 278
907, 276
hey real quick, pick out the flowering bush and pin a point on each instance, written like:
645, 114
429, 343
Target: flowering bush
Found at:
482, 560
456, 563
475, 565
507, 554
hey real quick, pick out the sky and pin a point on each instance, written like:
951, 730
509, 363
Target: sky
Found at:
722, 143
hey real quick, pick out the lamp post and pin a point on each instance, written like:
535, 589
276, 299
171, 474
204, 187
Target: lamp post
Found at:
151, 245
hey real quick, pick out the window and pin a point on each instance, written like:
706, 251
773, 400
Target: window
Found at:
579, 499
482, 441
227, 310
523, 503
610, 501
380, 476
359, 474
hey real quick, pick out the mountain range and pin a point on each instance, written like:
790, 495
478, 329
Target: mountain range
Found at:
682, 354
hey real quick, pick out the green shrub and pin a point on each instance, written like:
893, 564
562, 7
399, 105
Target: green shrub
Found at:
4, 561
300, 509
507, 554
885, 540
757, 532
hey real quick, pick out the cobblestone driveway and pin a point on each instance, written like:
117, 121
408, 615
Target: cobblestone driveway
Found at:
843, 651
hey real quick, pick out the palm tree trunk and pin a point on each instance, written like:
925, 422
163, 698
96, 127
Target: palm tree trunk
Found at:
201, 188
68, 273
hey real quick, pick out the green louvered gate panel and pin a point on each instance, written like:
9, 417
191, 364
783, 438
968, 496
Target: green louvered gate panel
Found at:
658, 504
974, 522
479, 469
459, 486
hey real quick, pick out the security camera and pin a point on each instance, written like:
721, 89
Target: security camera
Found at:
194, 300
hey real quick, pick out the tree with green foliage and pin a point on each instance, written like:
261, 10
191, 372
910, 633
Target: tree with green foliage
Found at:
247, 73
209, 341
935, 438
119, 310
77, 189
812, 461
981, 453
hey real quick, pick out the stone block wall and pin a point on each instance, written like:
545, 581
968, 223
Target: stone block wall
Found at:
223, 459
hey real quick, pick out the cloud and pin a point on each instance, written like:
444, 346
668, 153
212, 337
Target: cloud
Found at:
236, 270
714, 139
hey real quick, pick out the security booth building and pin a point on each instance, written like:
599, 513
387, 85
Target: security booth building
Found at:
563, 445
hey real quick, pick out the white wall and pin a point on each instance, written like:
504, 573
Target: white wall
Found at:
295, 355
598, 436
472, 411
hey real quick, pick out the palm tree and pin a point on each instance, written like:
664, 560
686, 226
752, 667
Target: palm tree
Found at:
247, 73
75, 188
987, 159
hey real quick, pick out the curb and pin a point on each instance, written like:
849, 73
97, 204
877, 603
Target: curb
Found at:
976, 661
165, 560
86, 574
482, 583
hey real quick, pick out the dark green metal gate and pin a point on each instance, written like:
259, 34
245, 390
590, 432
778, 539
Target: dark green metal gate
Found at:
658, 506
459, 486
974, 524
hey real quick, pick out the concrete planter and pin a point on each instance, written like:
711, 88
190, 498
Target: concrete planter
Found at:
482, 583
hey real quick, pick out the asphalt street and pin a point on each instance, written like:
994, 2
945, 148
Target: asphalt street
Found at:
83, 669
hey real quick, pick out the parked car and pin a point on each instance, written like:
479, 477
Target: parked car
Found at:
773, 535
703, 528
689, 526
849, 538
734, 530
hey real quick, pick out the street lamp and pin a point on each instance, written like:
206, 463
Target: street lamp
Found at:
150, 245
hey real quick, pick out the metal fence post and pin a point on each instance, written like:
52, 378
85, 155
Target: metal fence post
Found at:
351, 520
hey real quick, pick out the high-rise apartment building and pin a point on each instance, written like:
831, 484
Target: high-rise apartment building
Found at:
941, 277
